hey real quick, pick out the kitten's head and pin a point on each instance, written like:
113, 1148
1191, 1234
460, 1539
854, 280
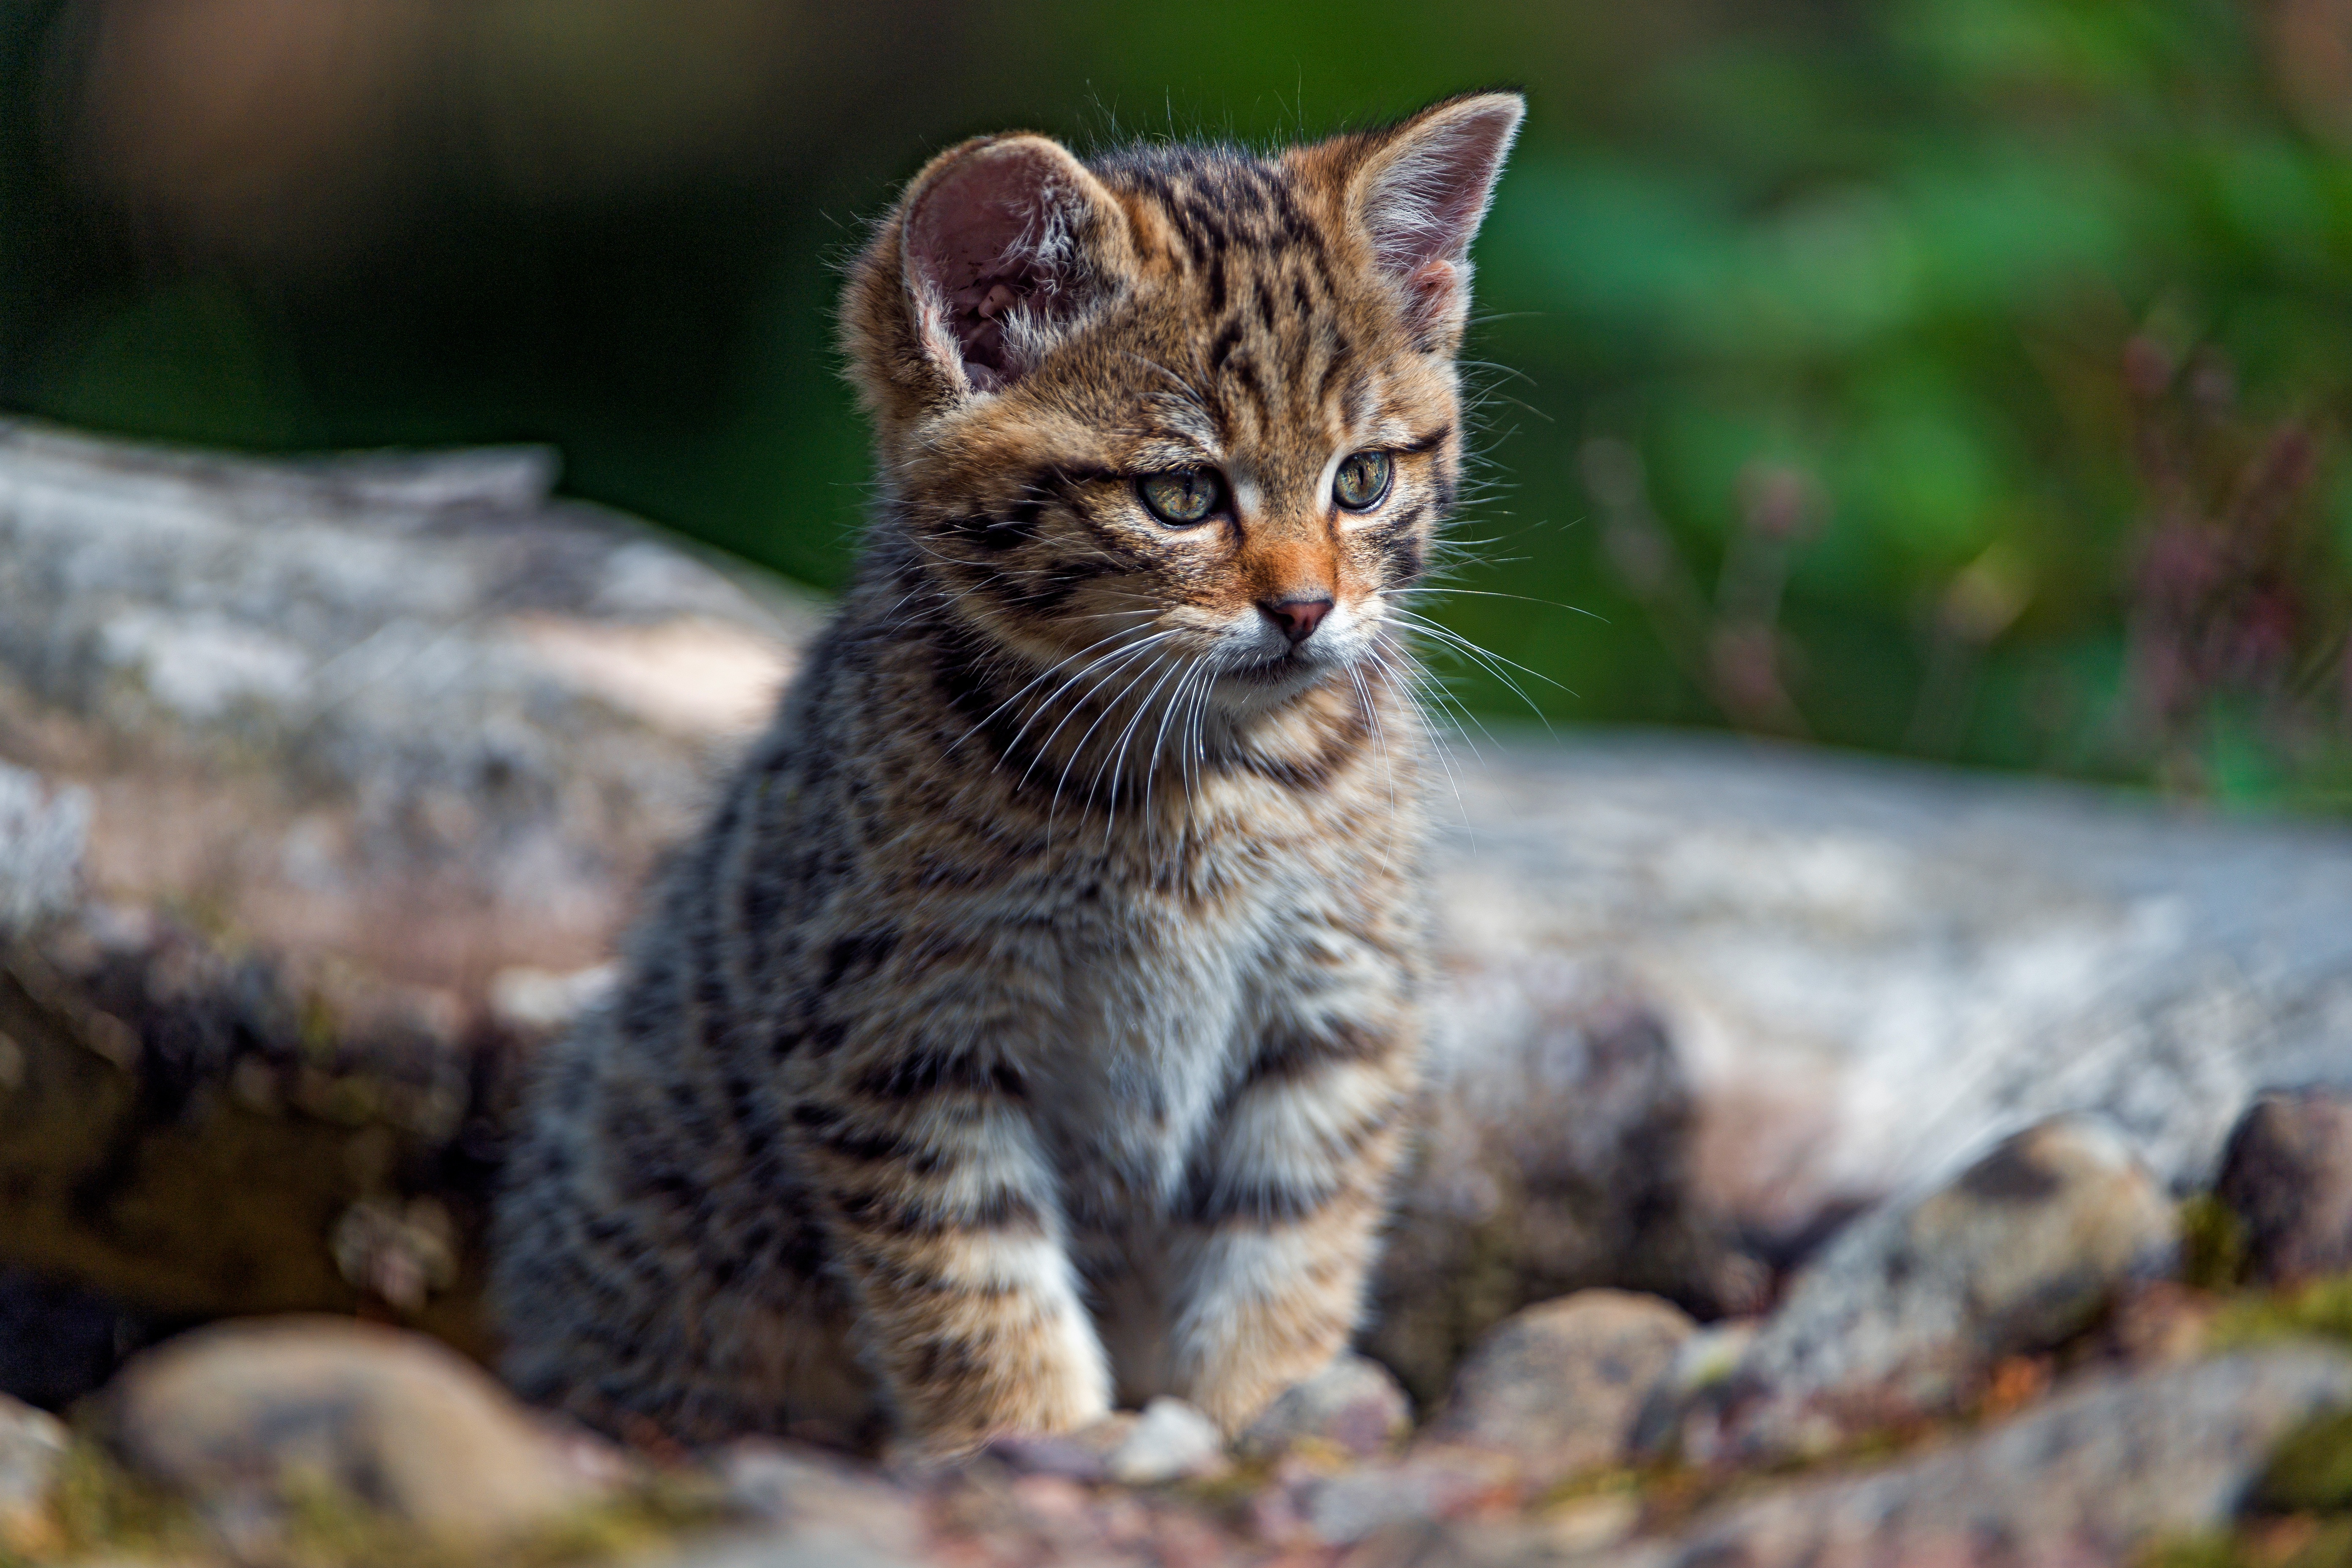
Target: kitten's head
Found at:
1182, 393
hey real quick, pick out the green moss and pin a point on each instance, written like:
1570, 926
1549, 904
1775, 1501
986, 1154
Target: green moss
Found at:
2312, 1469
2296, 1543
2204, 1551
97, 1506
103, 1511
2213, 1251
2322, 1309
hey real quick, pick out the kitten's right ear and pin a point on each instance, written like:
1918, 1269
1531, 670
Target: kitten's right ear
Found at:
998, 248
1419, 189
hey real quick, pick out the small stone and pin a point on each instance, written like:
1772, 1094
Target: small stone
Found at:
32, 1442
780, 1550
1080, 1456
820, 1500
1354, 1406
1589, 1523
2090, 1476
2288, 1174
1906, 1313
244, 1413
1172, 1442
1433, 1483
1558, 1386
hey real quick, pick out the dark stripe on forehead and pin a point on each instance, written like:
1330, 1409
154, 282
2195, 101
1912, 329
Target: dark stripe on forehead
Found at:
1342, 359
1296, 228
1227, 340
1243, 369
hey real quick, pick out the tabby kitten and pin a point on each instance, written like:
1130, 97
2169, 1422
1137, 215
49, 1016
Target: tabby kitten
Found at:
1036, 1023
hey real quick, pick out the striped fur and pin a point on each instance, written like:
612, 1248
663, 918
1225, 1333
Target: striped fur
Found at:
1034, 1026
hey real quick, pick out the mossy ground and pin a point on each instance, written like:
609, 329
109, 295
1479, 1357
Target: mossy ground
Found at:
2299, 1515
100, 1511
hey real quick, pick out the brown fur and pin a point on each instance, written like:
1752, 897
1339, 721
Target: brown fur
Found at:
1034, 1024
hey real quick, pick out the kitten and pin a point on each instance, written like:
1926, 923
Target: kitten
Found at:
1036, 1025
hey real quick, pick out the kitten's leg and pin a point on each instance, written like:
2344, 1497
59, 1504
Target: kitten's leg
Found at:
1281, 1208
942, 1206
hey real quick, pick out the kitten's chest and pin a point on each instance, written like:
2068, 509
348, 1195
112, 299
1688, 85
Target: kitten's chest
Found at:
1160, 1005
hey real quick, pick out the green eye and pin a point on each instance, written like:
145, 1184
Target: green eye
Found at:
1181, 497
1362, 480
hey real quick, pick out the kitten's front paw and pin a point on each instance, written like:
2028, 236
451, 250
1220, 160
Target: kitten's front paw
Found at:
1050, 1383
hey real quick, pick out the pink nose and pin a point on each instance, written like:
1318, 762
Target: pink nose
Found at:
1297, 617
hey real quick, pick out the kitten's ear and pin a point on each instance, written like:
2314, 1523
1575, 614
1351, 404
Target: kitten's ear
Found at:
1419, 190
1003, 245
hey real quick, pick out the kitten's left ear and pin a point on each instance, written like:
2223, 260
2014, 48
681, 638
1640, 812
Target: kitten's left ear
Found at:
1419, 192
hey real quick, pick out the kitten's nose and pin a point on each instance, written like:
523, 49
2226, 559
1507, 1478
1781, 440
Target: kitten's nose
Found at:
1297, 617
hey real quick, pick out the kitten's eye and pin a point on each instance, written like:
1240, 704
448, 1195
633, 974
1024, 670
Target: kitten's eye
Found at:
1362, 480
1181, 497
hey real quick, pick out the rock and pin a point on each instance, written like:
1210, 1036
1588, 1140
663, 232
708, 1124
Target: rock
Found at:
1080, 1456
42, 834
306, 769
1430, 1483
245, 1416
1558, 1386
2287, 1175
786, 1551
2089, 1477
820, 1502
1555, 1156
1907, 1313
32, 1444
1353, 1407
1172, 1442
1870, 970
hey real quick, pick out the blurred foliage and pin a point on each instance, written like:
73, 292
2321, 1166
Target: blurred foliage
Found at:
1961, 377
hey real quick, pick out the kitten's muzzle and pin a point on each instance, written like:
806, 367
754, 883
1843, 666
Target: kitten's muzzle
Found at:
1296, 618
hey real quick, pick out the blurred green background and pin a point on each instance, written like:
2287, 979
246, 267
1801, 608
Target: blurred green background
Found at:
1964, 378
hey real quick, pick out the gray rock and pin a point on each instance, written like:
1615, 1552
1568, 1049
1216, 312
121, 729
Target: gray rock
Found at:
781, 1551
1555, 1156
1172, 1442
2087, 1478
242, 1416
32, 1443
1433, 1483
1558, 1386
819, 1502
43, 832
1080, 1456
1870, 969
1909, 1309
407, 732
2288, 1176
1355, 1405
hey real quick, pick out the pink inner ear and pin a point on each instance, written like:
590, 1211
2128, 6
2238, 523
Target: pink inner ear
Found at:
993, 235
1425, 205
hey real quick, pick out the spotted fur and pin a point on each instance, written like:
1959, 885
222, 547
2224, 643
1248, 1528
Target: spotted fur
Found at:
1034, 1024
